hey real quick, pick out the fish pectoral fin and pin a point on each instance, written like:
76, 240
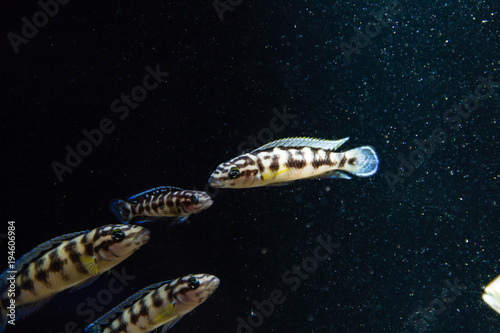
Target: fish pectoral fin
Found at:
90, 264
166, 315
169, 324
271, 174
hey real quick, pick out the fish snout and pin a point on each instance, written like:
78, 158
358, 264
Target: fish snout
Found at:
214, 284
214, 182
143, 237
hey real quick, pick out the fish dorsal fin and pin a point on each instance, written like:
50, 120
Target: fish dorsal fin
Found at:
154, 191
41, 250
113, 313
300, 142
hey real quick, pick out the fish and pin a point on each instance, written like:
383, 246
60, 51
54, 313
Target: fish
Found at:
161, 304
161, 202
492, 294
284, 161
69, 261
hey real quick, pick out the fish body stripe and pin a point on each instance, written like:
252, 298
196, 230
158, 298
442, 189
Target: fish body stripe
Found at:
300, 163
60, 268
283, 162
140, 315
169, 204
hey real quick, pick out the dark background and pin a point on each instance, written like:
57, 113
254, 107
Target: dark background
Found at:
397, 248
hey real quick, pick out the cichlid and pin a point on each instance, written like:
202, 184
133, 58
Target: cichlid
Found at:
67, 261
492, 294
284, 161
159, 202
161, 304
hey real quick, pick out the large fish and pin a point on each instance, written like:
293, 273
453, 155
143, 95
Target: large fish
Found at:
161, 304
492, 294
283, 161
64, 262
160, 202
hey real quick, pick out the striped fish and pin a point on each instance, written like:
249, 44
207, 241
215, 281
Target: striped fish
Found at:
67, 261
161, 304
159, 202
284, 161
492, 294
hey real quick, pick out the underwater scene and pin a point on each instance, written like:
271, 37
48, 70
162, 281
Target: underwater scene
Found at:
250, 166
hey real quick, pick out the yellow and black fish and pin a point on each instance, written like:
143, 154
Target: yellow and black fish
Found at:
160, 202
64, 262
284, 161
161, 304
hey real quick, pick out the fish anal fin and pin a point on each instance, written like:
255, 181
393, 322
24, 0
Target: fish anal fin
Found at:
280, 184
336, 175
28, 309
84, 284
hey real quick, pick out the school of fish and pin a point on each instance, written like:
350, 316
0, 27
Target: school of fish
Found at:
76, 260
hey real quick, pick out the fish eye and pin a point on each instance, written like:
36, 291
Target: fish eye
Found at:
193, 283
233, 172
118, 235
196, 200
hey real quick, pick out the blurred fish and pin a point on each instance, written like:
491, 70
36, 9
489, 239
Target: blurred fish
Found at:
164, 303
72, 260
492, 294
160, 202
284, 161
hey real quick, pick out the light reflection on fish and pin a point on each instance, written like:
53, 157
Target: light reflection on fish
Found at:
161, 304
161, 202
284, 161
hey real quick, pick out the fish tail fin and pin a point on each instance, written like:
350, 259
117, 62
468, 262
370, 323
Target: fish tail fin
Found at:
122, 210
362, 161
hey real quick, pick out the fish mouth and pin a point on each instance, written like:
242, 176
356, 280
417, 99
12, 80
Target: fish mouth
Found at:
142, 238
214, 284
208, 203
214, 182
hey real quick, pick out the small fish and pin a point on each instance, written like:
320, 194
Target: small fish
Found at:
284, 161
160, 304
492, 294
72, 260
160, 202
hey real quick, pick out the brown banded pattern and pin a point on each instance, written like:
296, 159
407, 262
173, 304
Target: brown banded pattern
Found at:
57, 265
287, 160
160, 304
160, 202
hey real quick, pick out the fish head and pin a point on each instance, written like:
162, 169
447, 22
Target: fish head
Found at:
194, 289
240, 172
116, 242
196, 201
